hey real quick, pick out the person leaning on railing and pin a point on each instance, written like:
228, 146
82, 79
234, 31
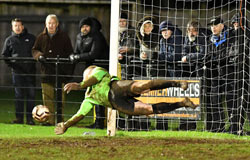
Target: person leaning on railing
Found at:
53, 42
90, 45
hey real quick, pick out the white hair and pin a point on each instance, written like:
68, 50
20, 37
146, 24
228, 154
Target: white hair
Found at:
50, 16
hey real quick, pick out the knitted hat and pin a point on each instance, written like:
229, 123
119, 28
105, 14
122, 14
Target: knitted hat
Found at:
85, 21
124, 15
166, 25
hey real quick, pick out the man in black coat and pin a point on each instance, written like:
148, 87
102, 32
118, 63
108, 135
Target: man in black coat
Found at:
193, 58
90, 45
194, 48
90, 42
19, 44
219, 68
128, 47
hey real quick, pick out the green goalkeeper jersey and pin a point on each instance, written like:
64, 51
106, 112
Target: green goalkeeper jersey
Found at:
98, 93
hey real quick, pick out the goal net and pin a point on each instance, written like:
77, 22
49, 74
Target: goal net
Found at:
202, 42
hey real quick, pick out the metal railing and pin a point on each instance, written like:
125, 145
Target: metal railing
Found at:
55, 61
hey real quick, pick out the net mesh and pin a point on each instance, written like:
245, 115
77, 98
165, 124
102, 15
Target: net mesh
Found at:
188, 40
215, 66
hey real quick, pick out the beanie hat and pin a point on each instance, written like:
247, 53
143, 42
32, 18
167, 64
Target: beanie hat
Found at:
166, 25
124, 15
85, 21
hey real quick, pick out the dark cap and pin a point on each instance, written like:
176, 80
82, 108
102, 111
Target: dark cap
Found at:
124, 15
215, 21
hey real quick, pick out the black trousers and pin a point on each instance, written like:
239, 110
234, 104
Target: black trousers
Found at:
24, 92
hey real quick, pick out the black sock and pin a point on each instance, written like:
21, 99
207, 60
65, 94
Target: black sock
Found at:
165, 107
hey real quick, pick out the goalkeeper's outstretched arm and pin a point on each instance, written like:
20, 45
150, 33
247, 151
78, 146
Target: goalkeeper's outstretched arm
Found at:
82, 85
62, 127
89, 79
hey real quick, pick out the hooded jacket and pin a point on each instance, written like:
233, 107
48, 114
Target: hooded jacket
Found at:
19, 45
148, 42
171, 48
58, 44
93, 45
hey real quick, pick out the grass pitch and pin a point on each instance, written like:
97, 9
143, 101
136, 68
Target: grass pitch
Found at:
24, 142
39, 142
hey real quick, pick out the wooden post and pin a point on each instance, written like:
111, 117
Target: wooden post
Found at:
111, 123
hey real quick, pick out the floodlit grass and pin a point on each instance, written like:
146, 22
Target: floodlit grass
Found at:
40, 142
28, 131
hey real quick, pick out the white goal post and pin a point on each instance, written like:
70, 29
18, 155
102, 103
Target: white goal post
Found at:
115, 14
224, 96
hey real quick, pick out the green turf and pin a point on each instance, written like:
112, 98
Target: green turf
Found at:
7, 105
28, 131
40, 142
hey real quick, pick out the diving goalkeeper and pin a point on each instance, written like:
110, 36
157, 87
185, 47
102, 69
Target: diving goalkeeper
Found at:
104, 89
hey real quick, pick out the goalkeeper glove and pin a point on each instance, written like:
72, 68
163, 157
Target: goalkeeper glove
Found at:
74, 58
60, 128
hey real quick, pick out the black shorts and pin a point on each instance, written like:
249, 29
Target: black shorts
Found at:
121, 97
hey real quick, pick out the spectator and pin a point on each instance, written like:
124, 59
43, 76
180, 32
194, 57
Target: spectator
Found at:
90, 42
128, 46
239, 56
193, 54
128, 50
218, 65
53, 42
171, 47
91, 45
194, 48
18, 45
147, 34
170, 50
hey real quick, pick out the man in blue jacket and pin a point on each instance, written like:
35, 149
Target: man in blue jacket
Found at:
19, 44
171, 47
